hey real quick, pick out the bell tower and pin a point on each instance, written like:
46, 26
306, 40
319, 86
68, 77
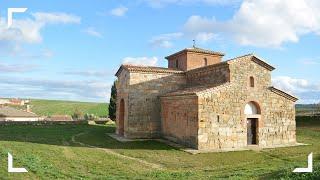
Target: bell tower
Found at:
192, 58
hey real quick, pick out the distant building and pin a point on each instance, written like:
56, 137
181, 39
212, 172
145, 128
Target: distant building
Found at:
14, 101
205, 103
17, 102
4, 101
12, 114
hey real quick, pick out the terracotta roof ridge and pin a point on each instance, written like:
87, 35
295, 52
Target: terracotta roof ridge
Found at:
196, 49
282, 93
255, 59
238, 57
135, 68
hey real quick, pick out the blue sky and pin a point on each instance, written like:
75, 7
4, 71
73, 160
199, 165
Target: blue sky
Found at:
71, 49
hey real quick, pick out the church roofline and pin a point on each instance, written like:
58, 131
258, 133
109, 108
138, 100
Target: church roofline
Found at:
284, 94
255, 59
133, 68
197, 50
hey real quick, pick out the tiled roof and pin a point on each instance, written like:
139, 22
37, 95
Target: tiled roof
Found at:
281, 93
198, 50
12, 112
133, 68
196, 90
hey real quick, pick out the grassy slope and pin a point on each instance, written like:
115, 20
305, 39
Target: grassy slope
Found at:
51, 107
48, 152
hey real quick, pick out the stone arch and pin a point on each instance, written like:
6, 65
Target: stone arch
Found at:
121, 118
252, 108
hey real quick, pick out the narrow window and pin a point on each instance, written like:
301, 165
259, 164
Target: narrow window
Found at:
205, 61
218, 118
251, 81
177, 64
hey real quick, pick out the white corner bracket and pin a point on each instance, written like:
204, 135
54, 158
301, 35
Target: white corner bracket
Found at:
11, 169
14, 10
309, 169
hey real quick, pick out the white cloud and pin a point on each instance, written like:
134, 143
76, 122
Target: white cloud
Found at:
310, 61
264, 23
92, 32
165, 40
29, 30
300, 87
205, 37
85, 90
119, 11
162, 3
141, 61
56, 18
87, 73
16, 68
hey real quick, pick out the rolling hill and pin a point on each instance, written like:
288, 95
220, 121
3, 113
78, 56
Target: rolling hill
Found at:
57, 107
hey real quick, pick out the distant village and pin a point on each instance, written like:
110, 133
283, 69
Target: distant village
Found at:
16, 109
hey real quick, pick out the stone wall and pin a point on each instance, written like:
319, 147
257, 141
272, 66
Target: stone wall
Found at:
122, 93
222, 122
144, 104
210, 75
180, 119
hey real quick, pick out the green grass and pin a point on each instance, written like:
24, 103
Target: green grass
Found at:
56, 107
48, 152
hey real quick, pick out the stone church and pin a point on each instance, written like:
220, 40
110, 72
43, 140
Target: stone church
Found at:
205, 103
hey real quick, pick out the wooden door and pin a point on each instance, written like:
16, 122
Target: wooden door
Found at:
251, 131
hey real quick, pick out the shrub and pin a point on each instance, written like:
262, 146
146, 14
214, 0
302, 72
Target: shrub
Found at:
77, 115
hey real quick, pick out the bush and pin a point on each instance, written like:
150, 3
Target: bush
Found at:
88, 117
77, 115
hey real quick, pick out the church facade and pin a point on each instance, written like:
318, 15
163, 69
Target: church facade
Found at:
205, 103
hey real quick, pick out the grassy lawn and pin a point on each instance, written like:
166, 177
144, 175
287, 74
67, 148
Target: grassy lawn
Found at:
49, 152
56, 107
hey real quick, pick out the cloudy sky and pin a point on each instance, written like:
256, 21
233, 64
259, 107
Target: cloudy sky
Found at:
71, 50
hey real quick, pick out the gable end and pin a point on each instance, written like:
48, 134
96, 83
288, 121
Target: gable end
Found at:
281, 93
262, 63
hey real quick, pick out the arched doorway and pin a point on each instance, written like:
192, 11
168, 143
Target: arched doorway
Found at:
252, 112
121, 119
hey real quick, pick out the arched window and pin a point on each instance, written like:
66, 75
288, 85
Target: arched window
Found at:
251, 81
252, 108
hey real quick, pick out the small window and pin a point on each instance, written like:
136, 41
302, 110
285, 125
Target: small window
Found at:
177, 64
218, 118
251, 81
205, 61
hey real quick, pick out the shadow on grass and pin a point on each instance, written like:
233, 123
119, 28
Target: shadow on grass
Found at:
94, 135
61, 135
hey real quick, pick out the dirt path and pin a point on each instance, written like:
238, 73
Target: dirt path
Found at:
109, 151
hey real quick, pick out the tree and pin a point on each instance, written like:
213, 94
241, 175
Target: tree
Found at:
113, 102
77, 115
